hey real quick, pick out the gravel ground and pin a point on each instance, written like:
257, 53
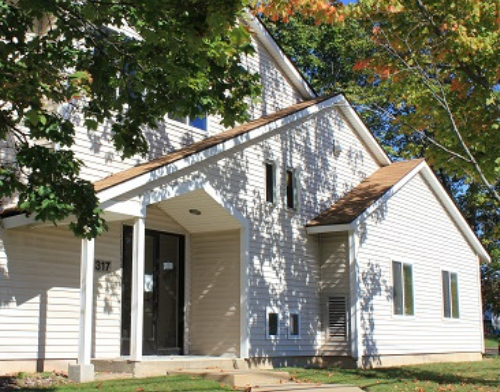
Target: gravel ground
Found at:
32, 380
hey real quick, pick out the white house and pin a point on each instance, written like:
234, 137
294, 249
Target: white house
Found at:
291, 237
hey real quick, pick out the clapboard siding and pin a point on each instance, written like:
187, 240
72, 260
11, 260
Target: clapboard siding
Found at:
283, 260
413, 227
96, 150
334, 283
215, 308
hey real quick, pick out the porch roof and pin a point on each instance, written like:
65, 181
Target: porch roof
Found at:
359, 199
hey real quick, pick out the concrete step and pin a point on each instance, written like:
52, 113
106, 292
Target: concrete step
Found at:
160, 366
237, 378
307, 387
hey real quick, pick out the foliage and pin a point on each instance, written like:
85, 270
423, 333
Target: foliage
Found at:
490, 275
129, 61
442, 377
424, 76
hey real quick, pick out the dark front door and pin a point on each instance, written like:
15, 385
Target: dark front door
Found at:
163, 293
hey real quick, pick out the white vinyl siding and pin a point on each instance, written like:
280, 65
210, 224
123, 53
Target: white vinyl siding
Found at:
335, 290
413, 225
215, 310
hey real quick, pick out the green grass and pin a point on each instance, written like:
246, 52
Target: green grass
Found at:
450, 377
491, 341
156, 384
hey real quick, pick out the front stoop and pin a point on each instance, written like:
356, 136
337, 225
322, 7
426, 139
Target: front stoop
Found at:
237, 378
160, 367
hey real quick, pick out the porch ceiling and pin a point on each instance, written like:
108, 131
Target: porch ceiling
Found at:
213, 216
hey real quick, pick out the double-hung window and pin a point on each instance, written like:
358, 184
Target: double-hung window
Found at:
402, 280
450, 294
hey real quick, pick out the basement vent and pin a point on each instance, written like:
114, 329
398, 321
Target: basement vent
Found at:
337, 318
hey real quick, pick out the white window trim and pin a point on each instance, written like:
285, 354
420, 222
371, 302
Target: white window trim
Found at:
296, 188
404, 315
275, 181
289, 325
272, 309
186, 123
450, 319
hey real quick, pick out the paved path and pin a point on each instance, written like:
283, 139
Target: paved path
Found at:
307, 387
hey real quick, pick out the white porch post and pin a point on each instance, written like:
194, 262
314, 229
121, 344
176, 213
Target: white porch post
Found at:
137, 290
84, 370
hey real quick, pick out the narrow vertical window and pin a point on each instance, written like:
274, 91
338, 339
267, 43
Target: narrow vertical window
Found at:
272, 324
294, 325
290, 188
402, 283
270, 183
450, 295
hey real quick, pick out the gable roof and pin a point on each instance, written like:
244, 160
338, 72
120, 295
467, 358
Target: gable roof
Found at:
358, 204
279, 55
357, 201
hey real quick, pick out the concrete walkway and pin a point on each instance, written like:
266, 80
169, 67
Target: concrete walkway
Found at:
307, 387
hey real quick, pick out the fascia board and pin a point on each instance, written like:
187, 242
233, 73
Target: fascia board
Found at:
329, 228
455, 213
278, 54
168, 169
365, 134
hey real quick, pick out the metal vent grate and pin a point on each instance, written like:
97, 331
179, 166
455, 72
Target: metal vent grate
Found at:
337, 318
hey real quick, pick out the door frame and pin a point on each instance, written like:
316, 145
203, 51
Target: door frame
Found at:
181, 310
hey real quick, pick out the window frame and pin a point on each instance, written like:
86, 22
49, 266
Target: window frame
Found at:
451, 317
295, 312
294, 188
403, 289
187, 121
272, 310
274, 193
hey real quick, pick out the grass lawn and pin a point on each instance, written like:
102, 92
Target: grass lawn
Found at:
156, 384
491, 341
450, 377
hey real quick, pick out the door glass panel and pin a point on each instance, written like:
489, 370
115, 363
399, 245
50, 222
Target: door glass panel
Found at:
149, 297
168, 294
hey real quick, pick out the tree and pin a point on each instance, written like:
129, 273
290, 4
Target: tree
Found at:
178, 57
490, 276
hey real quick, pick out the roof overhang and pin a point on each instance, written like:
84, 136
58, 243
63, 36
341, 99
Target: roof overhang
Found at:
424, 169
279, 56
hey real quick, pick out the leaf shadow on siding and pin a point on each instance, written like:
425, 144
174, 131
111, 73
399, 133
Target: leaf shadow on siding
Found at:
373, 284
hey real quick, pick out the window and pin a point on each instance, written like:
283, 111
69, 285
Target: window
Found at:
450, 294
291, 188
337, 318
270, 182
272, 323
293, 325
402, 279
197, 122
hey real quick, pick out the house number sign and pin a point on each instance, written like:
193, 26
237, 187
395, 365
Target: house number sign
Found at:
102, 265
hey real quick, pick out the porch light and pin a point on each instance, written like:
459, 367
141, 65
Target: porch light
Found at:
194, 211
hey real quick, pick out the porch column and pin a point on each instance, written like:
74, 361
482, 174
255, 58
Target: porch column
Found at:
137, 290
84, 370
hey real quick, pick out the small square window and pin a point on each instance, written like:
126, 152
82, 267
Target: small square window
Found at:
272, 324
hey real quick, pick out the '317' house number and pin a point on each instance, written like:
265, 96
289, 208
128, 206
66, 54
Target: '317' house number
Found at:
101, 265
